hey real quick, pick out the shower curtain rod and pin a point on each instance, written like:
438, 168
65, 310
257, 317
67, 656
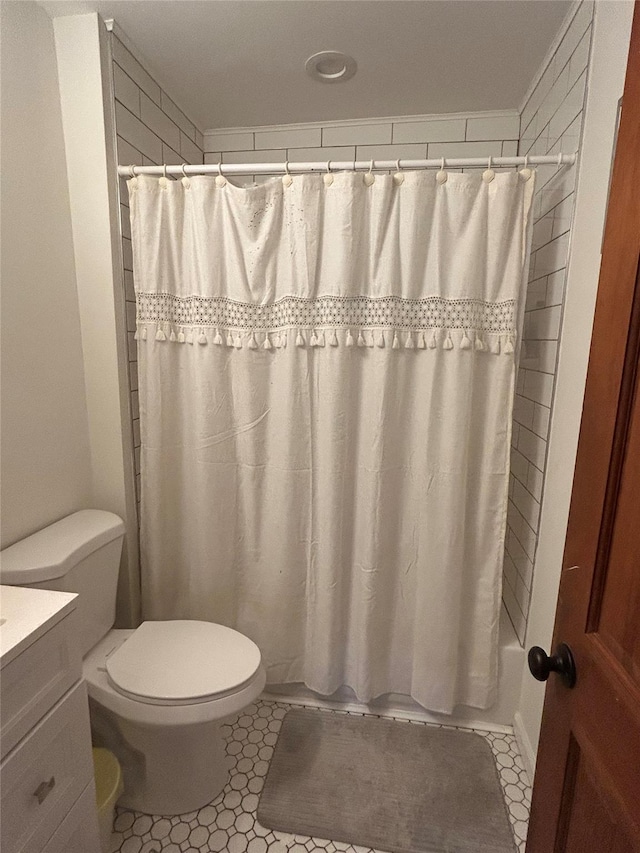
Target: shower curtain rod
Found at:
348, 165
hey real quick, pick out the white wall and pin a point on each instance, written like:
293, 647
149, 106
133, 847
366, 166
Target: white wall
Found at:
610, 44
82, 48
46, 470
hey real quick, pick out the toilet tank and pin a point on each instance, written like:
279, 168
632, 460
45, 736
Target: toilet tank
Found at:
79, 553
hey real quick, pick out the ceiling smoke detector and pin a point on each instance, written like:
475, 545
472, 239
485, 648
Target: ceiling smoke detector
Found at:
331, 66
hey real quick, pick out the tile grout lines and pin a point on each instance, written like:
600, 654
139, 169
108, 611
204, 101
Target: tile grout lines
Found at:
229, 822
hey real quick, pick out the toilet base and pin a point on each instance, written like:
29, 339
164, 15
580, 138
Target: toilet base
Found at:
167, 770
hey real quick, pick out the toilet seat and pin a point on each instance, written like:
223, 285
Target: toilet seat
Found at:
103, 693
182, 662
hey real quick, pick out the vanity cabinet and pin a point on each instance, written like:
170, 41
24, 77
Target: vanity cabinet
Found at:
47, 792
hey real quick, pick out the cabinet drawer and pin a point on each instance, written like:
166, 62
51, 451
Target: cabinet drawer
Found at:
45, 775
78, 832
33, 682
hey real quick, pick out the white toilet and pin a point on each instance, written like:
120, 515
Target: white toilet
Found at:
157, 693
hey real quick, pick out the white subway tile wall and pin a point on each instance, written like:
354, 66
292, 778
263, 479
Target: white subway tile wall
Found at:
150, 130
476, 135
551, 121
358, 134
337, 152
442, 130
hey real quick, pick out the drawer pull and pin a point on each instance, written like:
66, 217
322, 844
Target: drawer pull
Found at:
44, 789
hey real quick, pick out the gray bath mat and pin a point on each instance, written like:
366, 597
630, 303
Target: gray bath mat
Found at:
385, 784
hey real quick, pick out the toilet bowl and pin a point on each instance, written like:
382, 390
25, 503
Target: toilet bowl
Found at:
156, 693
162, 721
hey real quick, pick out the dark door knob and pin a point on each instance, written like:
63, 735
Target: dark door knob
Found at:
541, 664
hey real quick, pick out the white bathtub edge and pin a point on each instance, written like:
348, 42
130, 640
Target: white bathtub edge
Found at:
388, 710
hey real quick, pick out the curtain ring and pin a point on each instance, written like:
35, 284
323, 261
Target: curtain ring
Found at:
328, 178
368, 176
132, 171
559, 161
184, 174
164, 171
398, 166
220, 178
287, 180
286, 168
525, 173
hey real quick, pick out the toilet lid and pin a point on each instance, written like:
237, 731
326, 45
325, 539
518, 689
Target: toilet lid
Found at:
182, 661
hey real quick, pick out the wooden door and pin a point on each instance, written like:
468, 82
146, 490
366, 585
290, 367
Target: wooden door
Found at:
586, 795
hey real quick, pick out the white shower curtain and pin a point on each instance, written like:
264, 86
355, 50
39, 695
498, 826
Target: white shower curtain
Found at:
326, 376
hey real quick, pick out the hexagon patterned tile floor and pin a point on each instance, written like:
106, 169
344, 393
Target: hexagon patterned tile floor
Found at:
229, 822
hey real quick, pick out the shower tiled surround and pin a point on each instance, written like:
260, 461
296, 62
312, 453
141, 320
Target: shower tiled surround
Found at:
229, 823
150, 130
551, 122
415, 137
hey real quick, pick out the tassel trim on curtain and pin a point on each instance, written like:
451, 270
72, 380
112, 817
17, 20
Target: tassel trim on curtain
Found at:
390, 321
393, 339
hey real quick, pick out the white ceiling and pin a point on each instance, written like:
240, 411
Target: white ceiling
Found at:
233, 63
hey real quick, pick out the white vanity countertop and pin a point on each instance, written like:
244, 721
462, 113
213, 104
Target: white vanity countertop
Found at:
26, 614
